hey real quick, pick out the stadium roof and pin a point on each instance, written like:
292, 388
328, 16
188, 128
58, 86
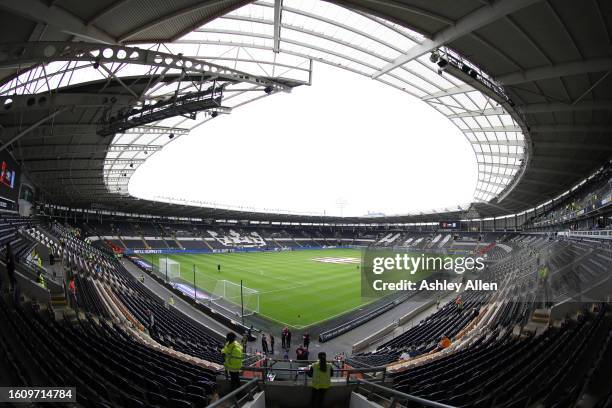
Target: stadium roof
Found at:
543, 130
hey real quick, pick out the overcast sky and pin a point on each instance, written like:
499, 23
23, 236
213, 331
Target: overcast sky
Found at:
345, 139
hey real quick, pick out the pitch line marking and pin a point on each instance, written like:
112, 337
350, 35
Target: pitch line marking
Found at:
282, 289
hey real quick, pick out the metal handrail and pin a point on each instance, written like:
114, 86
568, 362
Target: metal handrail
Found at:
392, 396
345, 372
398, 396
233, 396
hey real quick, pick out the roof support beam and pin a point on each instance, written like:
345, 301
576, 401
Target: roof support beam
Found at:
58, 18
32, 127
45, 52
479, 18
86, 159
501, 154
519, 143
494, 129
109, 9
493, 183
133, 148
499, 165
492, 174
278, 15
555, 71
148, 130
484, 112
448, 92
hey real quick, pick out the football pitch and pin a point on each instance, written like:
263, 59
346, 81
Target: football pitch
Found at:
296, 288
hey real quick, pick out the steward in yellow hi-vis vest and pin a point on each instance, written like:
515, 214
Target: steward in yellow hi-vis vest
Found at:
232, 359
543, 272
41, 280
321, 373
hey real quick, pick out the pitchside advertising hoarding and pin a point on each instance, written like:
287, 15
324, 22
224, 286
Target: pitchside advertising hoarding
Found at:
9, 182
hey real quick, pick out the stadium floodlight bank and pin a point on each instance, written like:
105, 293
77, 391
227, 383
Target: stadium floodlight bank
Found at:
238, 298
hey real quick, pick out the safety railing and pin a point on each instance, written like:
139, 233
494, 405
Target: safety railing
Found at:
239, 396
298, 375
391, 397
370, 390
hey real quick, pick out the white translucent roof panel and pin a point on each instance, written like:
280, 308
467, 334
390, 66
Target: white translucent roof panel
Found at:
244, 39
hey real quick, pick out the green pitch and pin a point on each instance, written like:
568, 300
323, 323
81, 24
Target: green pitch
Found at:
295, 288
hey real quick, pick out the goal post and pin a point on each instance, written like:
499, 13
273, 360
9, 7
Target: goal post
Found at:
169, 269
229, 292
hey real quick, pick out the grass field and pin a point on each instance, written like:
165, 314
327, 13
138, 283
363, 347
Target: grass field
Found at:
295, 289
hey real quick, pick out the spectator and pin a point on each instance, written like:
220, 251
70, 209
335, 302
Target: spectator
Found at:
284, 337
72, 290
232, 359
151, 318
245, 340
321, 373
271, 343
444, 342
288, 339
413, 351
459, 302
264, 343
301, 353
171, 300
306, 339
10, 266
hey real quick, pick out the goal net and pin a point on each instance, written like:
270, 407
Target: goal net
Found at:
227, 294
169, 268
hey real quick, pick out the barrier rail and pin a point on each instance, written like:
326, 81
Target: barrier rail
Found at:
233, 399
346, 373
395, 397
368, 389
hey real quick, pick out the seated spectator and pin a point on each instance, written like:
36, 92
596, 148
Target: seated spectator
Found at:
444, 342
459, 302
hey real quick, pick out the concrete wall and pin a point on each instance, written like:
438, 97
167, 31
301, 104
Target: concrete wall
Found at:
289, 395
